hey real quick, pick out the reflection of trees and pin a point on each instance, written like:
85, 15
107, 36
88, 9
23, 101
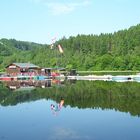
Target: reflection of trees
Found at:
124, 97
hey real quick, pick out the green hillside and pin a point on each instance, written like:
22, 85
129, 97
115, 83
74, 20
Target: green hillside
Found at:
113, 51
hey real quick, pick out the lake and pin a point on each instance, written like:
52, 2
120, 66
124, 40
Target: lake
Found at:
69, 110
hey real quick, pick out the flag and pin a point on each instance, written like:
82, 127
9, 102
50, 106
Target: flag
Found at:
51, 46
53, 41
60, 49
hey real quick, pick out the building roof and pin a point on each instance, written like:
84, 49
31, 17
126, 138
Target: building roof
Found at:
25, 65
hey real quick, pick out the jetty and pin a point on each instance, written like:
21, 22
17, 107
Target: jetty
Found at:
118, 78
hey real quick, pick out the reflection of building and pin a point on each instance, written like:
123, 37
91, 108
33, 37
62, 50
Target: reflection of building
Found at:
19, 84
27, 84
43, 83
31, 84
15, 69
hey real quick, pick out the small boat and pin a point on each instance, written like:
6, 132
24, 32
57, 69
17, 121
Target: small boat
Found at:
121, 78
6, 78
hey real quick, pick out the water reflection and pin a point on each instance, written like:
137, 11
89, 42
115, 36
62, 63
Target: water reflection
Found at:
85, 110
124, 97
57, 107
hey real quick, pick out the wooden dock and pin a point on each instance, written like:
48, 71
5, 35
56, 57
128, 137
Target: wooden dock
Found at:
91, 77
118, 78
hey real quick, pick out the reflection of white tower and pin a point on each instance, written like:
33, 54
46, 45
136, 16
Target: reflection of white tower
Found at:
12, 87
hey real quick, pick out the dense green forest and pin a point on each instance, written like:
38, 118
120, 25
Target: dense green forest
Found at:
112, 51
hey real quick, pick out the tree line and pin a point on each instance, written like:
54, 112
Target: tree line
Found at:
111, 51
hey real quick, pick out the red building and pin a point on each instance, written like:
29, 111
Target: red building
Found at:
15, 69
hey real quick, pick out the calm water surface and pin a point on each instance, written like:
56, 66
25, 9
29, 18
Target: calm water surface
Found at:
82, 110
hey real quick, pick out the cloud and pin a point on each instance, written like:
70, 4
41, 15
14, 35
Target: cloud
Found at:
57, 8
61, 133
39, 1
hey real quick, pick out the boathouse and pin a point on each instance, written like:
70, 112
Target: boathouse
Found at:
15, 69
46, 71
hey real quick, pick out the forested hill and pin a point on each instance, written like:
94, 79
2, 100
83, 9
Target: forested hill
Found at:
113, 51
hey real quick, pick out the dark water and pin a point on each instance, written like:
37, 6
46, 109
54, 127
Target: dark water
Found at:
72, 110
